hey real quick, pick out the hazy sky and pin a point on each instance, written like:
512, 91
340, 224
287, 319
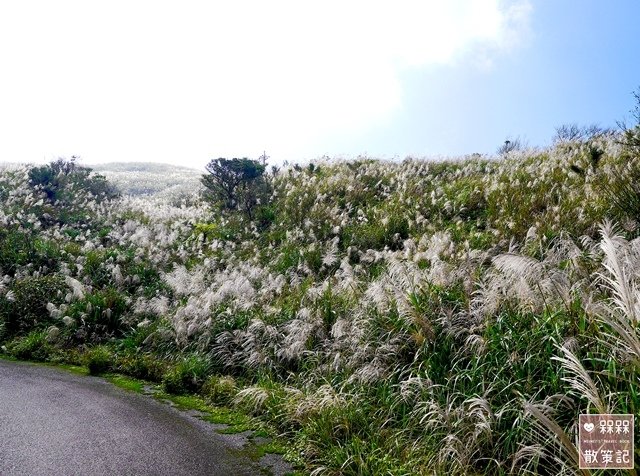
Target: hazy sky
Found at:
187, 81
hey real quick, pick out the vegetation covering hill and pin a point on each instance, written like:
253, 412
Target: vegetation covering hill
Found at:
147, 178
387, 318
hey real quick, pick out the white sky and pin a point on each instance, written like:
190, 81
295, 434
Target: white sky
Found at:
185, 82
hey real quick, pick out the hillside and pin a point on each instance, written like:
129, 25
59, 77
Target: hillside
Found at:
148, 178
410, 317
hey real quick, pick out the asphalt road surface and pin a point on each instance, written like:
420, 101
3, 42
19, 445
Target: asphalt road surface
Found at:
53, 422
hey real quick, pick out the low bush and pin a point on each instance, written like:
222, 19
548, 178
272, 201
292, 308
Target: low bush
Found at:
220, 390
33, 346
19, 247
99, 360
187, 376
27, 308
100, 315
142, 366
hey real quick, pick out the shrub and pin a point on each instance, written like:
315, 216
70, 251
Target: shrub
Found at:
19, 247
33, 346
101, 315
99, 360
28, 308
187, 376
220, 390
142, 366
58, 177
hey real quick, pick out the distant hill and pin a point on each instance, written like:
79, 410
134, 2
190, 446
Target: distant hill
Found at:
148, 178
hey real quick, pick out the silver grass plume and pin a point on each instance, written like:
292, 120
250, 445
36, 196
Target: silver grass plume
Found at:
580, 381
564, 461
622, 312
77, 288
620, 262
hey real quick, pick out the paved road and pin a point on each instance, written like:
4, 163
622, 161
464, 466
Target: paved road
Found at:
53, 422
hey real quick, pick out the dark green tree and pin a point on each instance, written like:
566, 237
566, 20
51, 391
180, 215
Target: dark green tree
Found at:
65, 186
236, 185
59, 178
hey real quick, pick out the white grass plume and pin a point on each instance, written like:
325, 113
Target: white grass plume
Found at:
621, 263
622, 312
580, 380
545, 428
78, 289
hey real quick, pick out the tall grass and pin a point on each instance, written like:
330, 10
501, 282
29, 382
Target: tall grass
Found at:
418, 317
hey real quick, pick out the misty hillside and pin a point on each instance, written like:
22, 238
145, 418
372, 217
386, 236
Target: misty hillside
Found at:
148, 178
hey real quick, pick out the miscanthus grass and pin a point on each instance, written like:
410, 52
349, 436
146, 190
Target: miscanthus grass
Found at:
414, 317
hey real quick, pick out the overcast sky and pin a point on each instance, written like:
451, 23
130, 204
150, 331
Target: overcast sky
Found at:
187, 81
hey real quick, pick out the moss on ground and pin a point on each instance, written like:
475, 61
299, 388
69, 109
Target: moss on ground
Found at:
127, 383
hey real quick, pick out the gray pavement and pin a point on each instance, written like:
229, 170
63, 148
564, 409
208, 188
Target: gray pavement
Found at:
53, 422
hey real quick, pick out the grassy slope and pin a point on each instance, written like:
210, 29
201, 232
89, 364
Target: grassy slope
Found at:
147, 178
394, 318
